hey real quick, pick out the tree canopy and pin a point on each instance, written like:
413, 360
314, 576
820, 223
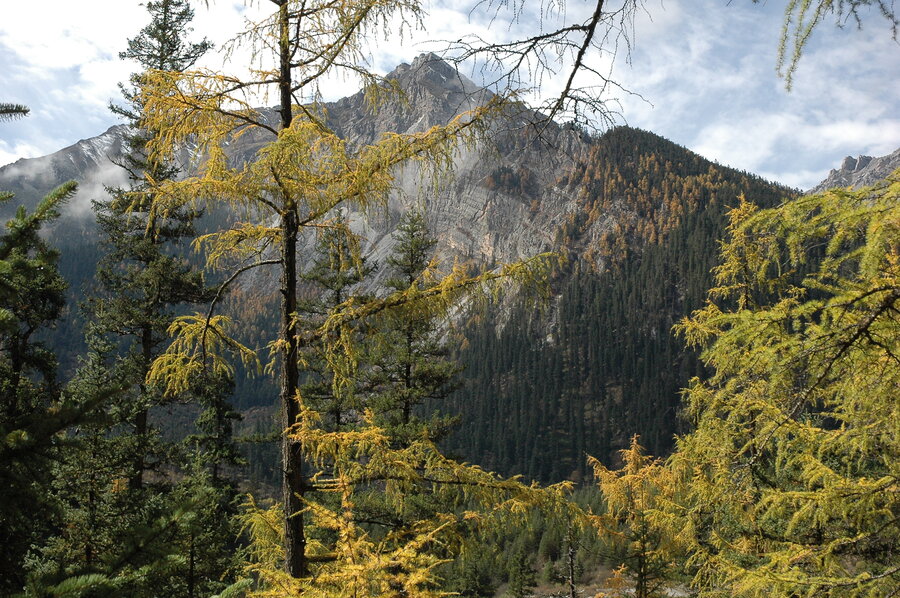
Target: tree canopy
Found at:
794, 465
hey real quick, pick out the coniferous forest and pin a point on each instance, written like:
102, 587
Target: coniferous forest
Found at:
698, 398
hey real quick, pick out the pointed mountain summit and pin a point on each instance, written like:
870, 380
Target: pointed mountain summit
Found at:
431, 93
89, 162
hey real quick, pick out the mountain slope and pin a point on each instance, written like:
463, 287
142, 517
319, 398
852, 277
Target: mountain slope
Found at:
603, 364
88, 162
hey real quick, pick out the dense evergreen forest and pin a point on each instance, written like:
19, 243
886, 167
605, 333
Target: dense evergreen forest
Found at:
761, 460
600, 364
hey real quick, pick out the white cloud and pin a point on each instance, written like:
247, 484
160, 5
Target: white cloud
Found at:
747, 143
10, 152
61, 59
799, 179
779, 144
707, 67
93, 188
57, 34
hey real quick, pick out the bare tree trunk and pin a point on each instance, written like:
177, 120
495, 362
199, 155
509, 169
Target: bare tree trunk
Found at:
291, 453
140, 420
571, 553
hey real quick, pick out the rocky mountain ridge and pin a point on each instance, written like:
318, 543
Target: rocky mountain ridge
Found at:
473, 222
473, 219
860, 171
503, 201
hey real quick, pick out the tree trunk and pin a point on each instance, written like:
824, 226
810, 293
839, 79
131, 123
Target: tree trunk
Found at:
641, 589
140, 420
407, 381
571, 554
291, 454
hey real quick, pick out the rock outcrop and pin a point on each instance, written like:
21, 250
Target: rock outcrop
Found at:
860, 172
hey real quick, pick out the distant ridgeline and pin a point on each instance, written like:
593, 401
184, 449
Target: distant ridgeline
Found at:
602, 364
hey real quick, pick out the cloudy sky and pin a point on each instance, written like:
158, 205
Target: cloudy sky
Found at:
704, 71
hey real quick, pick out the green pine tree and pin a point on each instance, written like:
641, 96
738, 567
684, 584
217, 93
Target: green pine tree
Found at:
410, 367
9, 111
31, 412
143, 276
147, 517
331, 278
522, 577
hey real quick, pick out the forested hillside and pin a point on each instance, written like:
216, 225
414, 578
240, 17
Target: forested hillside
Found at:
600, 364
635, 217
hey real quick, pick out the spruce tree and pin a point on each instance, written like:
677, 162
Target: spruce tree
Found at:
522, 578
130, 524
143, 276
90, 485
410, 365
330, 386
146, 279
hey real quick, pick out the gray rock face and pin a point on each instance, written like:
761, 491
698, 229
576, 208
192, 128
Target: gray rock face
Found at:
475, 217
860, 172
432, 93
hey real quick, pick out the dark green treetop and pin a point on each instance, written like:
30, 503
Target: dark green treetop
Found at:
410, 357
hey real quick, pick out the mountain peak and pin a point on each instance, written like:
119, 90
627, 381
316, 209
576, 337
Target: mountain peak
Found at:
851, 164
435, 73
432, 93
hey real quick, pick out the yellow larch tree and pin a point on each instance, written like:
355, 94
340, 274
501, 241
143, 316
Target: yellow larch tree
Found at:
429, 503
301, 173
792, 475
637, 498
